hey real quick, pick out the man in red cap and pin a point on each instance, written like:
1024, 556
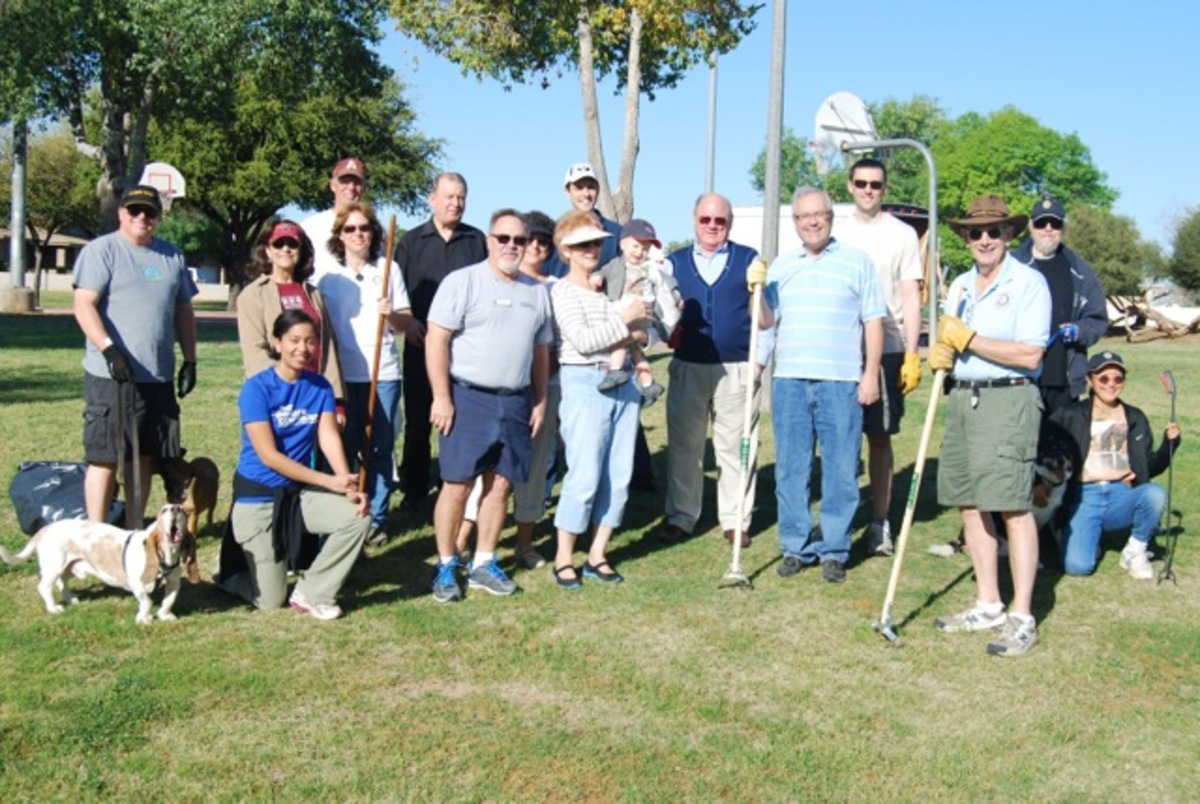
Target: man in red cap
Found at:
348, 183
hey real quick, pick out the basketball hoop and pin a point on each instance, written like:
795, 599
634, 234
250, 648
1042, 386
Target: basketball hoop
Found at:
167, 180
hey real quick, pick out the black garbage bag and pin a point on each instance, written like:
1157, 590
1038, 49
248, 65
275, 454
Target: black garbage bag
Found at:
47, 491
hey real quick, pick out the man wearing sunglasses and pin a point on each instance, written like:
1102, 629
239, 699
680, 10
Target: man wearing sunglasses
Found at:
993, 344
1078, 313
487, 350
133, 303
892, 246
348, 183
710, 372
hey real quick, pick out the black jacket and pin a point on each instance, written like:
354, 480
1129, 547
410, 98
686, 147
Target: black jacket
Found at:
1073, 424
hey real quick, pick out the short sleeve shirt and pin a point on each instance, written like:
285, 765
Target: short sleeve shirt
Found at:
892, 246
353, 306
139, 288
293, 409
495, 322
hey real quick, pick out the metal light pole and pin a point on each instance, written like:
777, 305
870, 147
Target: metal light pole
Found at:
16, 242
770, 244
712, 124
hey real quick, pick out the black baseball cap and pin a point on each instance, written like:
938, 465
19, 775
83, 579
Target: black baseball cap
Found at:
142, 195
1102, 360
1047, 207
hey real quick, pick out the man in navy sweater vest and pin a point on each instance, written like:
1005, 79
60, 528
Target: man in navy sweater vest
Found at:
710, 373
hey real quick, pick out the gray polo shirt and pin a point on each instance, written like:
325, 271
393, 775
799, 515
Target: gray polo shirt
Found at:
496, 323
139, 288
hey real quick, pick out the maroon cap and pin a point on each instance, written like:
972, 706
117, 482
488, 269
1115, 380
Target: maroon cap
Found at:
350, 166
285, 229
640, 230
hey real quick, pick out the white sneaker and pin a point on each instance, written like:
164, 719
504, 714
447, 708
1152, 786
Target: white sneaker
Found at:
879, 539
321, 611
1018, 636
973, 619
1136, 561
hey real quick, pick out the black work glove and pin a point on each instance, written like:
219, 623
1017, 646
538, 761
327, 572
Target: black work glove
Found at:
118, 364
186, 380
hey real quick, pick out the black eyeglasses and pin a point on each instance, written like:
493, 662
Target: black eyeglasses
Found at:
705, 220
287, 242
540, 240
351, 229
1053, 223
863, 184
977, 234
518, 240
150, 212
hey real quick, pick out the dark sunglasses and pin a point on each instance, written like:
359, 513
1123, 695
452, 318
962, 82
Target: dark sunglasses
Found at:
150, 212
863, 184
977, 234
1109, 379
1053, 223
364, 228
541, 240
705, 220
287, 242
517, 240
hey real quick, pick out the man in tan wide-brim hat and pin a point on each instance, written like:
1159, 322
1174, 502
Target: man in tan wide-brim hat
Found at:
993, 345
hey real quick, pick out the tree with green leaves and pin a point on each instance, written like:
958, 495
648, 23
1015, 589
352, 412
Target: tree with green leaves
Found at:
647, 45
1114, 248
1185, 261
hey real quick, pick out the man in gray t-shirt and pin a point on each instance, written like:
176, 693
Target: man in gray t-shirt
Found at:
133, 303
487, 352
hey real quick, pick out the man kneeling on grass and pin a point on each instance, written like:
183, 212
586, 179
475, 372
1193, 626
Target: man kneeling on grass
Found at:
1115, 448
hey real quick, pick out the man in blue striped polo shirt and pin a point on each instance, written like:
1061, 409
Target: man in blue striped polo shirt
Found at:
827, 307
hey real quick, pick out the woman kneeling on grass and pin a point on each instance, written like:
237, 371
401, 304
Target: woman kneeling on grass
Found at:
598, 427
1114, 459
277, 497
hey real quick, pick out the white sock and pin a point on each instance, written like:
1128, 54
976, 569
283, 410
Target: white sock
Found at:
443, 559
482, 558
990, 609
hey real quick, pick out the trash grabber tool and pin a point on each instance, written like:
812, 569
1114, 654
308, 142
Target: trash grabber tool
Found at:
734, 577
1168, 383
884, 624
364, 450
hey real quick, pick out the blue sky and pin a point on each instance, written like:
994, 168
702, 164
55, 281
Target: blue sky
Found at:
1124, 82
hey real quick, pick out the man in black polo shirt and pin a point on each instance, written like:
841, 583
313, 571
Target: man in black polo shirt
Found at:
426, 255
1078, 312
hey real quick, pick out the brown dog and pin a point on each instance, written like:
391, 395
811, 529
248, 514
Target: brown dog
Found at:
192, 484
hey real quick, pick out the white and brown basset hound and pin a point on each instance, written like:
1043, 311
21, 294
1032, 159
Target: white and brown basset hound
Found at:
138, 560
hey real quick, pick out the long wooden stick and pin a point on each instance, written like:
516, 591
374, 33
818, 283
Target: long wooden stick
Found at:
364, 451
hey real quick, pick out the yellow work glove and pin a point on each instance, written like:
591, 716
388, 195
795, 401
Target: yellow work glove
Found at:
941, 357
756, 274
954, 333
910, 373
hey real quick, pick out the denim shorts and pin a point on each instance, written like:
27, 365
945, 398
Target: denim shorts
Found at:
490, 432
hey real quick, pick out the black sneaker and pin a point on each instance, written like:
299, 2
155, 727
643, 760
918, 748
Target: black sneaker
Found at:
791, 565
613, 379
833, 571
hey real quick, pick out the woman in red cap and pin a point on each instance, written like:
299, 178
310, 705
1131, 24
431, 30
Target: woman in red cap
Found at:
278, 280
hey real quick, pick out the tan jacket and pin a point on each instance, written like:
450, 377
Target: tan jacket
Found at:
257, 307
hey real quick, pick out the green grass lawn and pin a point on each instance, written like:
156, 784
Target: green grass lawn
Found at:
664, 687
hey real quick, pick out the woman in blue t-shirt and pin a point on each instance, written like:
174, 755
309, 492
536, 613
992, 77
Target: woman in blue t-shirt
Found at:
285, 410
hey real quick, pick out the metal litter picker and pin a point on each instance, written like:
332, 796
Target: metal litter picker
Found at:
1168, 383
884, 624
734, 577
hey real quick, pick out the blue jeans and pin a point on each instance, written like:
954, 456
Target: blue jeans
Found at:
381, 468
829, 413
1105, 507
599, 429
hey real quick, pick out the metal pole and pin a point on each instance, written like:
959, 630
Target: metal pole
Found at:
873, 145
712, 124
16, 242
770, 244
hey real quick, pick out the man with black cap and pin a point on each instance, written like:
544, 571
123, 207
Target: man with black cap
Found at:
1078, 313
348, 183
133, 303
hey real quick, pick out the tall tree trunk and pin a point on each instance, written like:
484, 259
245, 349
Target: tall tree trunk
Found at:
591, 111
623, 200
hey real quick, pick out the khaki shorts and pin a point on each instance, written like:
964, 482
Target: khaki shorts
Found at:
989, 449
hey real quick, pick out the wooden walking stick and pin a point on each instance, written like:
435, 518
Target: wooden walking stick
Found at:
364, 450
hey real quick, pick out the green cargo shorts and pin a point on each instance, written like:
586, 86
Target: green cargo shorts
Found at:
989, 449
